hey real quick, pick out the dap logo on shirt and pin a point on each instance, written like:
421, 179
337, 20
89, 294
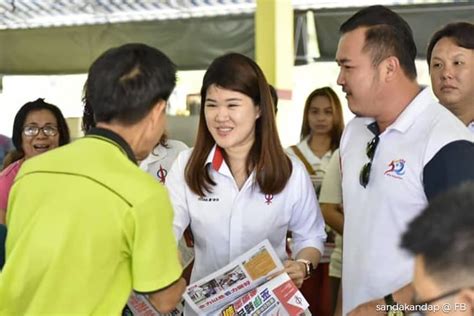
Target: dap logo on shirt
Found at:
268, 199
396, 169
161, 174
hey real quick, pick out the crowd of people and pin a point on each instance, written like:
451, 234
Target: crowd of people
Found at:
373, 218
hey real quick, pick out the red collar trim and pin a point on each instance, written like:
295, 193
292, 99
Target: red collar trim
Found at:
217, 159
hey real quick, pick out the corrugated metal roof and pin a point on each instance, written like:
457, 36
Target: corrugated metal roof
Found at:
320, 4
23, 14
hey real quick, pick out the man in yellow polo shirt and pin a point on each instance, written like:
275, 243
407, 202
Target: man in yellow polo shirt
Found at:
85, 224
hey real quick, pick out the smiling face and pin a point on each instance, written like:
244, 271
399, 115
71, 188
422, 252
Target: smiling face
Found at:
320, 115
230, 118
357, 75
452, 76
35, 145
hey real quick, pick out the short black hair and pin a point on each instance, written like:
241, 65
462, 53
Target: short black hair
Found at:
388, 34
461, 32
38, 105
125, 82
88, 120
443, 235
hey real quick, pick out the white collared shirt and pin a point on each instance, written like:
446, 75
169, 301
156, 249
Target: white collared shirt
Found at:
229, 221
375, 217
159, 161
319, 165
471, 127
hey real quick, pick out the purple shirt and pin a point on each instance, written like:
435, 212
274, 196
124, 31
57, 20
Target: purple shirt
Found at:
6, 181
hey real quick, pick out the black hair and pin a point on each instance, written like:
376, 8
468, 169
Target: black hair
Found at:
388, 34
88, 120
125, 82
38, 105
443, 234
461, 32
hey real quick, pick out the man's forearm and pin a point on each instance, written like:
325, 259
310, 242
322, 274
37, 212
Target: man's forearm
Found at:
167, 299
404, 295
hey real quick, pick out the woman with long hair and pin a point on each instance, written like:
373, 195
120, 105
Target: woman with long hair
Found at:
237, 187
320, 135
320, 132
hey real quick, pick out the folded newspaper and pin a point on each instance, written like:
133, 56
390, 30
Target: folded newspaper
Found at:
243, 287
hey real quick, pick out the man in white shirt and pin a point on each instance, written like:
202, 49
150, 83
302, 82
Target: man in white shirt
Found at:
450, 59
401, 150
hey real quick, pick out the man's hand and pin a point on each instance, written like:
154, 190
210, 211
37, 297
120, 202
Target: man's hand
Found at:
165, 300
369, 309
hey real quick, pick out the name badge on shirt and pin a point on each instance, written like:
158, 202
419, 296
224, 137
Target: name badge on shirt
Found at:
208, 199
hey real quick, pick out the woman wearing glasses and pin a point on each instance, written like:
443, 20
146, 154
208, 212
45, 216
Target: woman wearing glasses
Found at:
320, 135
38, 127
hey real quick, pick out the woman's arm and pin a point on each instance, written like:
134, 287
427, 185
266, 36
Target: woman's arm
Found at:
297, 269
330, 197
306, 225
333, 216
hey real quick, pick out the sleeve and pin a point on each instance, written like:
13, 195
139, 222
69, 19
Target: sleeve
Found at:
181, 146
306, 222
4, 189
176, 185
154, 252
449, 167
331, 188
7, 178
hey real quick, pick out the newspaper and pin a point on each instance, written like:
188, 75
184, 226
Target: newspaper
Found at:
279, 296
243, 287
139, 305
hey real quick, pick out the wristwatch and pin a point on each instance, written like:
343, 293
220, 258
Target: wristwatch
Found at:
308, 266
391, 306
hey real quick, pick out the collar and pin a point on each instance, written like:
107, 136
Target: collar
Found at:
308, 153
470, 126
215, 158
413, 111
114, 139
373, 127
370, 123
408, 116
216, 161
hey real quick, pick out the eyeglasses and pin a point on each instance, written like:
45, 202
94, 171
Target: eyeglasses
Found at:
32, 130
370, 151
426, 306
